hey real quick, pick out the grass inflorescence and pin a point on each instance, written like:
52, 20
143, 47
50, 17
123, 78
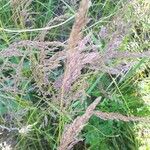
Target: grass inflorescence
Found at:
74, 74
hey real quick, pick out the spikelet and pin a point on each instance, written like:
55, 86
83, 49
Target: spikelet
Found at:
117, 116
69, 136
73, 65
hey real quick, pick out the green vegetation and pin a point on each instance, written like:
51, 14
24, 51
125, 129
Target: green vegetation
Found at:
51, 76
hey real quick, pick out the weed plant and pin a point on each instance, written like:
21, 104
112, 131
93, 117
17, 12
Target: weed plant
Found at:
74, 74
